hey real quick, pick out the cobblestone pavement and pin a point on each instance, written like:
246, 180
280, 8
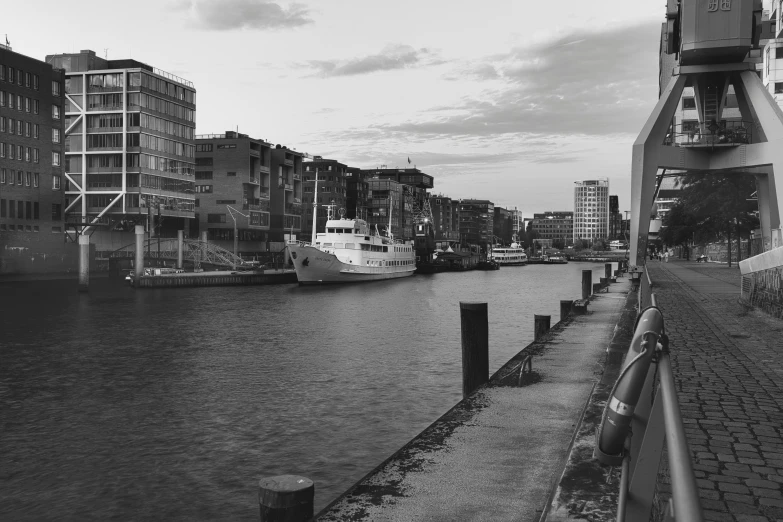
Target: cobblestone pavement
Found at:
728, 363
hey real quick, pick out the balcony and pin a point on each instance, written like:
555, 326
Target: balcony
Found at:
264, 191
254, 181
718, 134
288, 162
294, 209
297, 176
288, 186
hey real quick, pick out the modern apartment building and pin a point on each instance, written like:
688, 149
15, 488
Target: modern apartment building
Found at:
385, 203
233, 186
286, 193
445, 216
476, 222
591, 209
332, 190
416, 184
129, 146
615, 218
31, 157
556, 225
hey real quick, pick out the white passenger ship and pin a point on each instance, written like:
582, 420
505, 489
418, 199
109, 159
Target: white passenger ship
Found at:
509, 256
348, 252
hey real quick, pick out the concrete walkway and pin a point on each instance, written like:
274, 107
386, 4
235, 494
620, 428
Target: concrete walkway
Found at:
728, 364
498, 454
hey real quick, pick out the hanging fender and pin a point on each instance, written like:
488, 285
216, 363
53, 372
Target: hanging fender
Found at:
616, 420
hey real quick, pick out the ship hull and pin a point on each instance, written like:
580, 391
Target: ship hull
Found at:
315, 267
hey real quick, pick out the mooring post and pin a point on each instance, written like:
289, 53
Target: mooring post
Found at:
587, 283
475, 346
286, 498
84, 262
180, 247
607, 270
565, 309
138, 265
541, 325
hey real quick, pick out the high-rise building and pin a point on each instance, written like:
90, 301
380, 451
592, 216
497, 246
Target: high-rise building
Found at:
557, 225
476, 222
129, 145
31, 157
615, 218
286, 193
591, 209
332, 190
233, 170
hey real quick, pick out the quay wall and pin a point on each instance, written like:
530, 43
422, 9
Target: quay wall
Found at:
216, 279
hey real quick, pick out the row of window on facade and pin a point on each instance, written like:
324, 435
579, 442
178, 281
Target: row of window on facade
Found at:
74, 143
28, 154
29, 210
23, 78
73, 163
23, 179
19, 102
25, 128
136, 80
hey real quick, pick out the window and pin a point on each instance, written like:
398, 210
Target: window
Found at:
11, 208
56, 213
2, 150
206, 147
55, 159
778, 87
204, 174
27, 127
216, 218
28, 206
19, 102
36, 156
35, 180
19, 153
35, 106
27, 77
35, 131
689, 103
28, 178
2, 208
27, 104
27, 154
2, 94
19, 125
2, 123
231, 173
204, 189
56, 112
2, 175
55, 88
35, 82
19, 177
55, 182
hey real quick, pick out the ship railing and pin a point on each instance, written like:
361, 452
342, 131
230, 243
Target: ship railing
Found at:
655, 418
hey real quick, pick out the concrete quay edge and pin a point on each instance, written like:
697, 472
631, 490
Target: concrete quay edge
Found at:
498, 454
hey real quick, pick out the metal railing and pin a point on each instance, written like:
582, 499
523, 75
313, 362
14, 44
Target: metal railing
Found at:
173, 77
633, 427
715, 133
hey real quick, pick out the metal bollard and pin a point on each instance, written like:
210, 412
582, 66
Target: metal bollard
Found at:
475, 346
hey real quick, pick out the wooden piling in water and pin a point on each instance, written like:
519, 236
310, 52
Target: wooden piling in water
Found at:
475, 346
84, 262
286, 498
540, 325
587, 283
565, 309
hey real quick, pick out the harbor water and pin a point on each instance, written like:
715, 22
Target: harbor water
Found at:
126, 404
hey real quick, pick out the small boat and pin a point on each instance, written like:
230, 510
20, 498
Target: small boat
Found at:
554, 259
509, 256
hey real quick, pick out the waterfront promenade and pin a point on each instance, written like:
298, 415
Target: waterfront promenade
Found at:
728, 364
498, 454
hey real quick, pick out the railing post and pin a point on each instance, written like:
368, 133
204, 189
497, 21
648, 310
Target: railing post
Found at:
180, 247
475, 346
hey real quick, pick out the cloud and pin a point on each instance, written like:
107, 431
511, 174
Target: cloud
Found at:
588, 83
225, 15
390, 58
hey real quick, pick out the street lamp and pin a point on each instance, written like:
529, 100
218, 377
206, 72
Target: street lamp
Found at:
236, 237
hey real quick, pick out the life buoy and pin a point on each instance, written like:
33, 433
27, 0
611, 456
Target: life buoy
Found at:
618, 413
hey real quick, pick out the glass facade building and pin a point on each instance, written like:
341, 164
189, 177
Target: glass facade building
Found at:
591, 209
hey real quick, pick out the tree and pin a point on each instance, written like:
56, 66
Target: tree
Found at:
600, 245
558, 243
717, 203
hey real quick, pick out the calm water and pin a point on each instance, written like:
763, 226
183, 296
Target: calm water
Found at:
154, 404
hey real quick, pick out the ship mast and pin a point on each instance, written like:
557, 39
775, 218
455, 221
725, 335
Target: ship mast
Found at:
315, 206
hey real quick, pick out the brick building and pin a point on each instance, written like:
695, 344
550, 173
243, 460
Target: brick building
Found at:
357, 193
286, 193
332, 189
503, 225
415, 183
554, 225
233, 170
476, 221
31, 159
445, 215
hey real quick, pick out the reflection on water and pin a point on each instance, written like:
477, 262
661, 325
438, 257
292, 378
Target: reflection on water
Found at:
172, 403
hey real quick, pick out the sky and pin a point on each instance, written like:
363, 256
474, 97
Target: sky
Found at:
510, 101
